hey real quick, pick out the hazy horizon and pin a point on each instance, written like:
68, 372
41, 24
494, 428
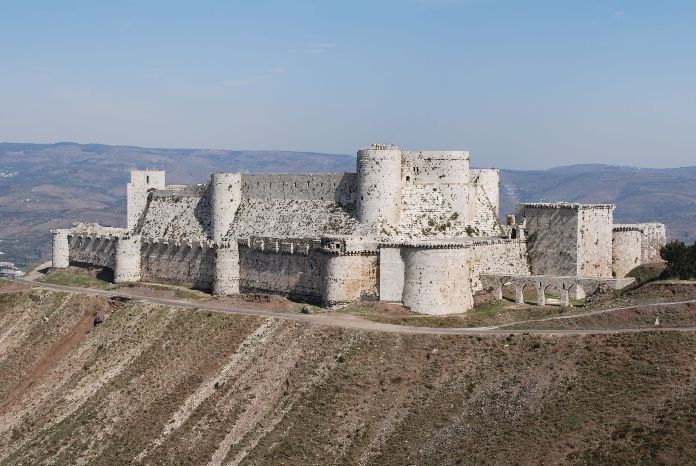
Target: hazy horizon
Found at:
531, 86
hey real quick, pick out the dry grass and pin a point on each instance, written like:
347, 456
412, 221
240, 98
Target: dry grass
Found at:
74, 279
272, 391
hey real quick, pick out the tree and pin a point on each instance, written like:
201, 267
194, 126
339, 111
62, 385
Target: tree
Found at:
681, 260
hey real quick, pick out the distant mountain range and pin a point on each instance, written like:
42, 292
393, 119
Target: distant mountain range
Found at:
44, 186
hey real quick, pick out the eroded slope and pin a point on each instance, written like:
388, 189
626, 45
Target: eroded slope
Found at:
157, 385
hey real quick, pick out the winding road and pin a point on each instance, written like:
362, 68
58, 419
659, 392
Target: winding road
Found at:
356, 323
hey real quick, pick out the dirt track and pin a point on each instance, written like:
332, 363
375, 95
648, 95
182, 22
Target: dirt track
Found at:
356, 323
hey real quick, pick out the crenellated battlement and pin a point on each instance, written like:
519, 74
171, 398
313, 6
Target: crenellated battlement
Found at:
418, 227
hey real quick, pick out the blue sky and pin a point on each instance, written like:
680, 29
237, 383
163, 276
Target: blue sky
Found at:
519, 84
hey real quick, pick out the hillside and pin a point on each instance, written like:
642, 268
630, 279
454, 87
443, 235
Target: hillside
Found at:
161, 385
44, 186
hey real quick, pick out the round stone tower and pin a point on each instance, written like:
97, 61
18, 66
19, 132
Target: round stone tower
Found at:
61, 249
225, 196
379, 184
226, 278
127, 259
450, 169
436, 280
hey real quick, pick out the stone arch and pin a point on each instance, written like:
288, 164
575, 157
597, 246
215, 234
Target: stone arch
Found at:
530, 293
576, 292
509, 290
554, 293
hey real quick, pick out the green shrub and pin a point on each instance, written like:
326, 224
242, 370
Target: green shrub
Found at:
681, 260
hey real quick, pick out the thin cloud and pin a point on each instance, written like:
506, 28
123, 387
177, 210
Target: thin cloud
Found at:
317, 48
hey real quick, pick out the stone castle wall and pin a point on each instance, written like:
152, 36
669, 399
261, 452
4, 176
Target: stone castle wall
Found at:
267, 270
636, 244
436, 281
654, 237
331, 187
430, 278
485, 201
626, 252
95, 250
379, 186
595, 241
178, 213
142, 183
128, 261
60, 256
497, 256
414, 226
187, 264
552, 235
300, 269
225, 196
569, 239
349, 277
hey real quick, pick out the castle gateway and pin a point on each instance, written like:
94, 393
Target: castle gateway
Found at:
417, 227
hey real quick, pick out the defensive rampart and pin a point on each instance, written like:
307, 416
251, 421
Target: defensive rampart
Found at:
333, 187
636, 244
178, 262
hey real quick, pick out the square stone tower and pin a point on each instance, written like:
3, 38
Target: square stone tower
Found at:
142, 182
569, 239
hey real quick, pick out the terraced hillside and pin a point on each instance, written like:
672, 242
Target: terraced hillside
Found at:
159, 385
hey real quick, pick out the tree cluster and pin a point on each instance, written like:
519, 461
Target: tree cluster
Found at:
681, 260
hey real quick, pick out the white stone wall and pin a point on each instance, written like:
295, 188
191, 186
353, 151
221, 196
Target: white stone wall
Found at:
142, 182
61, 249
226, 194
379, 186
475, 258
227, 274
626, 251
436, 167
595, 241
485, 201
436, 281
291, 218
426, 213
552, 233
499, 257
446, 170
339, 188
391, 274
178, 213
654, 237
95, 250
180, 264
351, 277
636, 244
295, 275
127, 267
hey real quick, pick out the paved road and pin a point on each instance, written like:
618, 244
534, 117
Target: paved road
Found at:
352, 322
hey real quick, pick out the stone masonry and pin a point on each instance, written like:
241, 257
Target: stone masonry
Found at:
417, 227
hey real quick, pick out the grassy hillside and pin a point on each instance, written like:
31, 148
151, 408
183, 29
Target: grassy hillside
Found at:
158, 385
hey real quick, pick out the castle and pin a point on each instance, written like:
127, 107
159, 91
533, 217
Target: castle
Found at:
417, 227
